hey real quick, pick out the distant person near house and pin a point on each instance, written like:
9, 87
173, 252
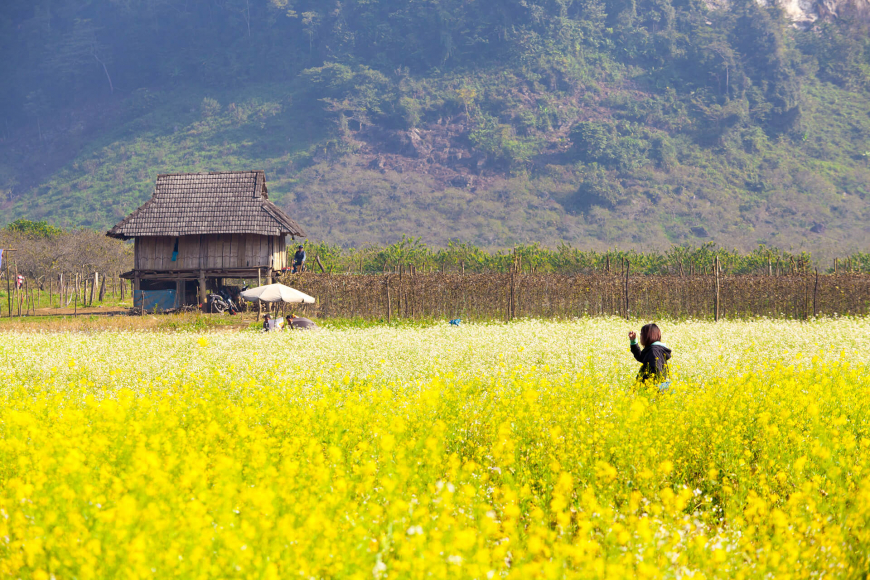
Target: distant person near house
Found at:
299, 260
272, 324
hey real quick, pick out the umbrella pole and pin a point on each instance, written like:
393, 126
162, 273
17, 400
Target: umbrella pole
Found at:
259, 302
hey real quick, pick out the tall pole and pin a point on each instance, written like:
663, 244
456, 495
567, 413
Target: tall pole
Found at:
259, 283
8, 289
512, 302
389, 303
17, 291
716, 301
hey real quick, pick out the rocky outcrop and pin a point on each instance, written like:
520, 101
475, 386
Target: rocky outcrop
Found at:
440, 150
805, 12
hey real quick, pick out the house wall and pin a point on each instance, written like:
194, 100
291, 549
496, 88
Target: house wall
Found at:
212, 251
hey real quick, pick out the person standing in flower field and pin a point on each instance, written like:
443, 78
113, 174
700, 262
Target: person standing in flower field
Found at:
653, 358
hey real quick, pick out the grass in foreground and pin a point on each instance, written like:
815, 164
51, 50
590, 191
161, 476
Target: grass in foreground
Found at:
510, 451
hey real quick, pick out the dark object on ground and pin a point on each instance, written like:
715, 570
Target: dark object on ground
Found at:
301, 324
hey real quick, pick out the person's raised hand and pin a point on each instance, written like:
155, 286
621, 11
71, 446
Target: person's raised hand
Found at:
632, 335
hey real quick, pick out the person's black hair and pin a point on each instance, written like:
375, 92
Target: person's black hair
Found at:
649, 334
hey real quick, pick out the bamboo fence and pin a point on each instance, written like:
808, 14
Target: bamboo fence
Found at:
513, 295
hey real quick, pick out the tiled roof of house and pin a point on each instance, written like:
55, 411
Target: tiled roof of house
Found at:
227, 202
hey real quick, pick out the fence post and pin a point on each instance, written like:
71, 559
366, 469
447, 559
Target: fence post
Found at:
389, 303
94, 285
627, 270
815, 295
17, 291
716, 301
512, 298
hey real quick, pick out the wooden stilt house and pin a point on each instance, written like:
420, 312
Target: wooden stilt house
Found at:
199, 228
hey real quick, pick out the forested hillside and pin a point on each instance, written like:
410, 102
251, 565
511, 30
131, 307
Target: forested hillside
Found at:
597, 123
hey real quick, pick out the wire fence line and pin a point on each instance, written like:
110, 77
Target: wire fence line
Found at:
515, 295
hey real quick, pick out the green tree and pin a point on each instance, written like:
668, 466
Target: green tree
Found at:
760, 37
39, 229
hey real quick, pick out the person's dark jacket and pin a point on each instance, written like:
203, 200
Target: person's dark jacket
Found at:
654, 361
299, 257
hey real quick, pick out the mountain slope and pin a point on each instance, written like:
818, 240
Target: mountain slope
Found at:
592, 123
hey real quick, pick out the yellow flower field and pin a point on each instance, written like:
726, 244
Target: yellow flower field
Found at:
484, 451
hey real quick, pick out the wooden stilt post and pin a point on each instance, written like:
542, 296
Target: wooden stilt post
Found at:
203, 296
137, 287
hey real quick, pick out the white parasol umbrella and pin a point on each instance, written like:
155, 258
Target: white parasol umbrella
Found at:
277, 293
